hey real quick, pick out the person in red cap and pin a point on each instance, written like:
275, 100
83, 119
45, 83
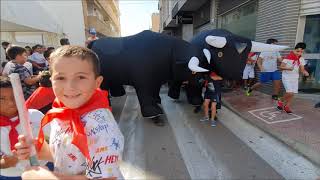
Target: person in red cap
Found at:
10, 166
85, 140
291, 66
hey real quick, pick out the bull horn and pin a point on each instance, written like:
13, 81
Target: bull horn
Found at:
207, 53
262, 47
193, 65
216, 41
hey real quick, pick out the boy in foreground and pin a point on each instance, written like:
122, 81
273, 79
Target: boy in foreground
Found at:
85, 140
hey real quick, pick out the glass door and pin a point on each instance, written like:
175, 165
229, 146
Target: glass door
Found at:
311, 37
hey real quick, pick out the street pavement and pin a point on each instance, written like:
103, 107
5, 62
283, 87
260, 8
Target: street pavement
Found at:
187, 149
299, 130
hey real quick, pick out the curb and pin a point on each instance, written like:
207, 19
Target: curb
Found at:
299, 147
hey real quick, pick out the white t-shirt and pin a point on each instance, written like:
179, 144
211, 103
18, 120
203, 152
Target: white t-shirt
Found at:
105, 143
2, 57
35, 119
294, 74
269, 61
10, 65
251, 66
38, 58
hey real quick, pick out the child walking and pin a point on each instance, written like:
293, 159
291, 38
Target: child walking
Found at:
290, 67
211, 95
248, 72
10, 166
85, 140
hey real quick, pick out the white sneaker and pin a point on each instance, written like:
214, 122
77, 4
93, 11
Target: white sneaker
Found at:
204, 119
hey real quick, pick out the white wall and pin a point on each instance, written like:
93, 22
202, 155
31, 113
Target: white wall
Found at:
50, 18
70, 16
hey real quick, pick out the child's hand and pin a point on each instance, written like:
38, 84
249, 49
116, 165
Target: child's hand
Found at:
291, 68
23, 148
38, 172
305, 73
8, 161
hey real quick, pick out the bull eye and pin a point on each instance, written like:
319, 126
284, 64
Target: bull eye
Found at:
220, 54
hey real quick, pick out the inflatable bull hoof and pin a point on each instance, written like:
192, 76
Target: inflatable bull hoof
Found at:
158, 121
158, 100
151, 111
174, 92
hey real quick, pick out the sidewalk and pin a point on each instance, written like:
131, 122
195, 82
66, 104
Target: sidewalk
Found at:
300, 130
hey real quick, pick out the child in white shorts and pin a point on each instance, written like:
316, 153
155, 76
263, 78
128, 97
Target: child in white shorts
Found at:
291, 66
248, 72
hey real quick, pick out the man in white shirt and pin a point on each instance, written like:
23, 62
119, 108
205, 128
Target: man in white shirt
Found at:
267, 63
37, 59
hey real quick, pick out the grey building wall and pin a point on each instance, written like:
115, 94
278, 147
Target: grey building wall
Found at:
278, 19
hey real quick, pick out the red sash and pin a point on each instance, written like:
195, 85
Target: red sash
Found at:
98, 100
291, 56
40, 98
13, 133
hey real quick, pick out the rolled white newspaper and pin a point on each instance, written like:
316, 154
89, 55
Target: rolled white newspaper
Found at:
23, 116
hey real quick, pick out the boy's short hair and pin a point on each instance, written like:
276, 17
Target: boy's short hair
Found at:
5, 43
47, 53
271, 41
79, 52
36, 46
44, 80
5, 82
301, 45
14, 51
64, 41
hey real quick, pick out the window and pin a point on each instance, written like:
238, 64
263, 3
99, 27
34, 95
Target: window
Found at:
241, 21
312, 34
312, 39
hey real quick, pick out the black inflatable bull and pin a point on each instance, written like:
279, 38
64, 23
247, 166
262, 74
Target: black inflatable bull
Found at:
147, 60
226, 54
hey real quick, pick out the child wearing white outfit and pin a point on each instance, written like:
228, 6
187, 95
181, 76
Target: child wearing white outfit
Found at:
248, 72
10, 128
85, 140
291, 66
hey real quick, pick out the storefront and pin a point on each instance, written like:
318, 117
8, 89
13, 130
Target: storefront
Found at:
309, 32
240, 20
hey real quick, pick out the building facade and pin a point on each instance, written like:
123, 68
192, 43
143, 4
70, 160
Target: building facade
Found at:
289, 21
102, 15
155, 21
46, 22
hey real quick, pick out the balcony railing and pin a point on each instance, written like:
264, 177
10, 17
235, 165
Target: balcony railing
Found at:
102, 27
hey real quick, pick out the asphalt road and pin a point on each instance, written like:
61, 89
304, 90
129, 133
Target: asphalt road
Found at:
184, 148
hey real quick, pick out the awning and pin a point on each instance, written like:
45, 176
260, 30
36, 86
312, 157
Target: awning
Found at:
27, 16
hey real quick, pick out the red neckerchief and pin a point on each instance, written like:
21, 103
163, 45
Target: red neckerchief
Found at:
251, 54
40, 98
291, 56
98, 100
13, 133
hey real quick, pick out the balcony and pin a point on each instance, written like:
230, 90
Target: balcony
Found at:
101, 26
112, 10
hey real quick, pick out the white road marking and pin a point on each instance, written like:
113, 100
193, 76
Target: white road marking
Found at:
271, 113
283, 159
